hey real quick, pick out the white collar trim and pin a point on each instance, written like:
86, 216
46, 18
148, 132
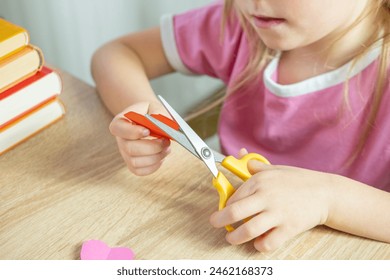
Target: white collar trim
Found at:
319, 82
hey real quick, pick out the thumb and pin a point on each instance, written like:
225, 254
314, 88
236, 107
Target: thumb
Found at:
255, 166
242, 152
140, 108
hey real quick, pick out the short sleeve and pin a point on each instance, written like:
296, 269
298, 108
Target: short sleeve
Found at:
194, 44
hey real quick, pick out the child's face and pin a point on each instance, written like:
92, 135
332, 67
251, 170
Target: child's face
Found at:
290, 24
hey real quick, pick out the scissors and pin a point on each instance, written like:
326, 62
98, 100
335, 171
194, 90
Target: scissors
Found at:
186, 137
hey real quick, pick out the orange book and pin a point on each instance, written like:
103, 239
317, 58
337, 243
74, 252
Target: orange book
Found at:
29, 94
12, 37
30, 124
19, 66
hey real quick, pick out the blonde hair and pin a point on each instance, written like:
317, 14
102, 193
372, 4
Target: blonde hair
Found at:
260, 55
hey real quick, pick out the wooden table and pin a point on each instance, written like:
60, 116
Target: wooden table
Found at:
69, 184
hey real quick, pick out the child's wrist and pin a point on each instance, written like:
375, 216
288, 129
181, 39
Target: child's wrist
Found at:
334, 187
329, 191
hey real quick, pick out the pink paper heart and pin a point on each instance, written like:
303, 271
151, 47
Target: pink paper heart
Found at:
98, 250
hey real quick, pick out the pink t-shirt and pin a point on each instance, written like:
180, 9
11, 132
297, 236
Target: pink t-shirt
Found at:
305, 124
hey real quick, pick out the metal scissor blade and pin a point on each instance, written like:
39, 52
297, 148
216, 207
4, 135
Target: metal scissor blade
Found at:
218, 156
176, 135
180, 138
201, 148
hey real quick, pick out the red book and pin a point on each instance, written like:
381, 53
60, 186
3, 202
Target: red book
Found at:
29, 94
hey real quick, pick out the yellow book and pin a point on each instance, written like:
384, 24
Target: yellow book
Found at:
19, 66
12, 37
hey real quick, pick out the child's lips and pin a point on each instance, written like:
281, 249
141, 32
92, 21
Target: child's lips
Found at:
267, 22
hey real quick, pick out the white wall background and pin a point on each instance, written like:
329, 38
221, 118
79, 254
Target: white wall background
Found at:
69, 31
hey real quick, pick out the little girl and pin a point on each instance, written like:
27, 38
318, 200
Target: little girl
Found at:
307, 87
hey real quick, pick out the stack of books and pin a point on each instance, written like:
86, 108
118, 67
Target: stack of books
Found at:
29, 90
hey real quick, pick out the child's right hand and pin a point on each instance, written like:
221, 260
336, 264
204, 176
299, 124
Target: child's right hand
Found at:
142, 154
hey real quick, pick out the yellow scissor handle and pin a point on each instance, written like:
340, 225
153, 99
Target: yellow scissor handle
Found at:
225, 190
239, 168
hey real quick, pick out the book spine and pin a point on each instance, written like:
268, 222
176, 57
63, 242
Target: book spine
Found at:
37, 68
25, 113
40, 74
40, 55
8, 30
31, 135
50, 122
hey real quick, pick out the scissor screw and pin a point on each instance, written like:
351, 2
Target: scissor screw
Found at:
206, 153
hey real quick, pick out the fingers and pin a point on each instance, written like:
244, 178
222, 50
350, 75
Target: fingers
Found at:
237, 211
247, 189
272, 239
144, 165
143, 147
123, 128
265, 229
275, 200
139, 161
144, 156
144, 171
256, 166
126, 130
253, 228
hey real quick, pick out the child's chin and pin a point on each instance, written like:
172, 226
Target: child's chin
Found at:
278, 43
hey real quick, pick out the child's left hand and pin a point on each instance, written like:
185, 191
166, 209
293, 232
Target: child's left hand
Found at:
282, 201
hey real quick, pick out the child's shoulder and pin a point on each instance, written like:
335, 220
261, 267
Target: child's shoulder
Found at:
194, 41
211, 17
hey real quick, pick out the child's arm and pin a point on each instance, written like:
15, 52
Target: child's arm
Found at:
359, 209
122, 69
286, 201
